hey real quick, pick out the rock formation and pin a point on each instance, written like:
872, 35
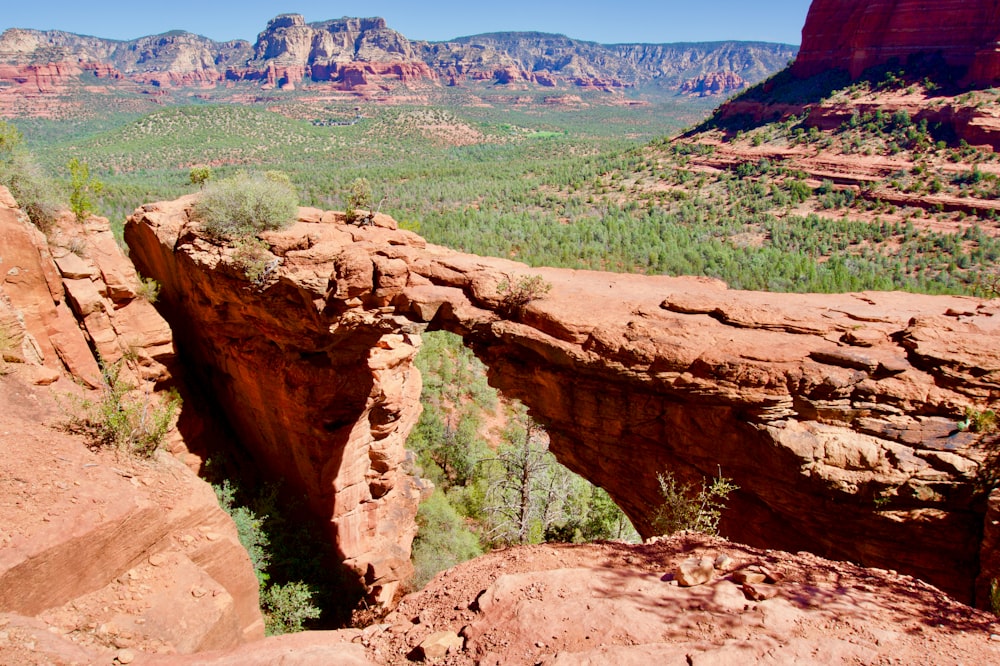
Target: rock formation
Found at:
714, 83
323, 401
361, 55
843, 418
110, 549
857, 34
77, 297
613, 603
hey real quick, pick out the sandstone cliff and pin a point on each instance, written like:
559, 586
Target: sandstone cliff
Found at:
857, 34
92, 544
839, 416
715, 83
358, 54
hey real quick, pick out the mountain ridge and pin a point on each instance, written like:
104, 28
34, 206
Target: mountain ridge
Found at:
352, 53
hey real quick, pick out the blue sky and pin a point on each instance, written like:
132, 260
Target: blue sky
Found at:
650, 21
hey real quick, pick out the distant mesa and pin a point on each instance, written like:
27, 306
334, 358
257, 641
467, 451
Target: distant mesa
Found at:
364, 56
857, 34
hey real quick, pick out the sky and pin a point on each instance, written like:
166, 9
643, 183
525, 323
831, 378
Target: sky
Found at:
608, 22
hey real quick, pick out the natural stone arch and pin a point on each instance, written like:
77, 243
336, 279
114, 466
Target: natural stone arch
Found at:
836, 415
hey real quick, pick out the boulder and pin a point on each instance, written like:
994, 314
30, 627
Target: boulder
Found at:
695, 571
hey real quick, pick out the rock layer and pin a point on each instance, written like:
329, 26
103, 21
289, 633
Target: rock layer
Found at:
92, 542
858, 34
841, 417
360, 55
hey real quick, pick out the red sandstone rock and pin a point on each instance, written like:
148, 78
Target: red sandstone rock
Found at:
857, 34
87, 537
33, 287
335, 425
714, 83
610, 604
630, 374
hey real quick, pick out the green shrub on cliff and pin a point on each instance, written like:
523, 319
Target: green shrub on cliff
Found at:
123, 417
83, 187
25, 179
245, 205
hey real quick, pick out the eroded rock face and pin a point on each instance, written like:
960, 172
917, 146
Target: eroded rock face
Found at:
713, 83
323, 391
77, 297
857, 34
94, 538
839, 416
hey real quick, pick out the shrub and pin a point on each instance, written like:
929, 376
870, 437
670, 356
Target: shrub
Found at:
253, 257
514, 297
976, 421
149, 289
200, 175
20, 174
287, 607
683, 509
245, 205
82, 187
123, 418
443, 540
249, 529
358, 195
298, 585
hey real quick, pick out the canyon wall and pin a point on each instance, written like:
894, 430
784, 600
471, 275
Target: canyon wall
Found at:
323, 394
110, 549
844, 419
857, 34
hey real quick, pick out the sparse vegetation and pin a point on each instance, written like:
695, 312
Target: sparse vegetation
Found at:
149, 289
253, 257
684, 509
516, 295
287, 607
983, 422
200, 175
124, 417
358, 196
26, 181
245, 205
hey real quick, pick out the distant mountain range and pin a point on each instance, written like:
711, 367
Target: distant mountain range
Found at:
364, 55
